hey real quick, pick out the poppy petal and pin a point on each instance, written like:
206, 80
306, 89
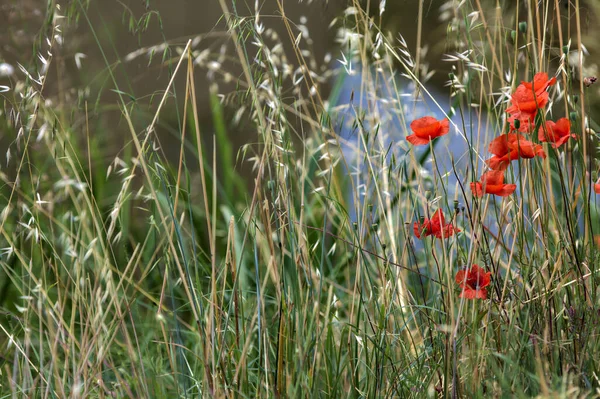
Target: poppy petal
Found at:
499, 146
539, 151
526, 121
492, 177
447, 231
437, 220
422, 229
425, 126
546, 132
469, 293
428, 127
563, 125
416, 140
444, 126
477, 189
560, 141
473, 282
481, 293
417, 229
498, 163
503, 190
460, 277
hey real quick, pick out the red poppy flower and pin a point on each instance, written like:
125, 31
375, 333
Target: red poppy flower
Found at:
526, 122
427, 128
524, 101
540, 82
473, 282
597, 188
492, 182
509, 147
556, 133
529, 96
435, 226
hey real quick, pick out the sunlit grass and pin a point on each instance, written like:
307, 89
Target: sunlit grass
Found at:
290, 268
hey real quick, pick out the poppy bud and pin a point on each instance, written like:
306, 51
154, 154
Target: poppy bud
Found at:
523, 27
573, 115
565, 49
451, 76
575, 99
517, 124
513, 35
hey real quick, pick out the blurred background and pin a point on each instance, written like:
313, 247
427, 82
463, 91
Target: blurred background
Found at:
139, 41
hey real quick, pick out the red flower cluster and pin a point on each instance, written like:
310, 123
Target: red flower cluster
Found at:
528, 98
509, 147
436, 226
